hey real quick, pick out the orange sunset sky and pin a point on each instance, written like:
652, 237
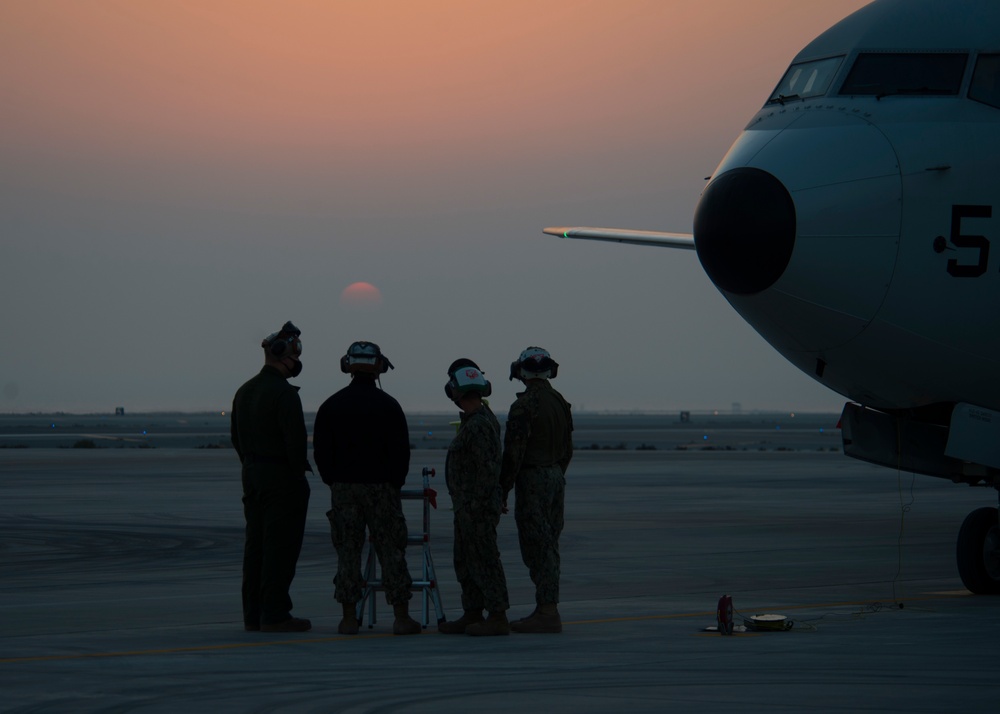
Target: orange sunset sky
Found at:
179, 178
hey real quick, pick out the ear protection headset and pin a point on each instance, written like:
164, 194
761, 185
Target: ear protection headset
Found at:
285, 340
534, 363
365, 357
464, 375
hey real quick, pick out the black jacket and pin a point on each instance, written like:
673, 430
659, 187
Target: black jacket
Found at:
361, 436
267, 426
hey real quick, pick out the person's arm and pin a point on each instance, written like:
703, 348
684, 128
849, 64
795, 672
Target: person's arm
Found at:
568, 453
515, 444
234, 433
400, 438
323, 448
486, 456
293, 431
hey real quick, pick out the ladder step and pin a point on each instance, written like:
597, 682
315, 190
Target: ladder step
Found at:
428, 586
415, 585
412, 539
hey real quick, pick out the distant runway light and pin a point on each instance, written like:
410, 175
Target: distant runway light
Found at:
360, 295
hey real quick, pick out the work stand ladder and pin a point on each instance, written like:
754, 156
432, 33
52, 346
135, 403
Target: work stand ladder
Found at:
427, 583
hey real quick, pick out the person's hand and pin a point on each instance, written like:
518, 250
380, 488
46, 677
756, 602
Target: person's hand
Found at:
503, 507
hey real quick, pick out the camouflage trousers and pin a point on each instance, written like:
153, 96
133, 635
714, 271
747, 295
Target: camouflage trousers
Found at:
377, 507
539, 492
477, 558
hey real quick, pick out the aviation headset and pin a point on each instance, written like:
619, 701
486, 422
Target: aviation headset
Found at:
365, 357
464, 375
534, 363
284, 341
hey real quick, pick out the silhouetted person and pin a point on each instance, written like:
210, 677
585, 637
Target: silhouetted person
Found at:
269, 434
472, 472
361, 445
538, 447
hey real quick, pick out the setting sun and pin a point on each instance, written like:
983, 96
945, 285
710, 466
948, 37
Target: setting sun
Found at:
360, 295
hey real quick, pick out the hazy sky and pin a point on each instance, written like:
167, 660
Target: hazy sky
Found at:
178, 178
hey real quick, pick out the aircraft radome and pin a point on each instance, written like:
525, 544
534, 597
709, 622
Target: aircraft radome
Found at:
851, 225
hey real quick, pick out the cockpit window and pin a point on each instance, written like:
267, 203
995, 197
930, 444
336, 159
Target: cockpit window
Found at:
911, 73
806, 79
985, 85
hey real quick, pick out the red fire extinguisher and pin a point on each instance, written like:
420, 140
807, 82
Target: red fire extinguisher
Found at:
724, 615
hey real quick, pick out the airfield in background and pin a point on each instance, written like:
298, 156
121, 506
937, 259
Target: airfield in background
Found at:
614, 431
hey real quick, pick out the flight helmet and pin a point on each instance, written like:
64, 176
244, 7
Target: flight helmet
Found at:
534, 363
285, 342
365, 357
465, 376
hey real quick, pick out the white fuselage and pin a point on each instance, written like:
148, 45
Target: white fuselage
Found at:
891, 293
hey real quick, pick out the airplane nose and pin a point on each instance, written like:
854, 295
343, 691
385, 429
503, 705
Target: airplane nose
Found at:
744, 230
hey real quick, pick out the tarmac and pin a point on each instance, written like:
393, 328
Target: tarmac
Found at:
121, 578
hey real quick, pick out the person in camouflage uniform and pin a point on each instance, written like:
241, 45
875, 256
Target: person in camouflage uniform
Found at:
361, 445
472, 472
268, 431
537, 450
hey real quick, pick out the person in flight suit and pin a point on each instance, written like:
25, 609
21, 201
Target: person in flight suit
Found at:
472, 472
268, 431
537, 450
361, 445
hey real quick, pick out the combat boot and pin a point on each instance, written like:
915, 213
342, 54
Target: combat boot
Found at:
404, 624
349, 625
292, 624
457, 627
526, 617
495, 624
545, 620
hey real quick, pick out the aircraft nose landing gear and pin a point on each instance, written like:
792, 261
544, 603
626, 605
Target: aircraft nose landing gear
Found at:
978, 551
